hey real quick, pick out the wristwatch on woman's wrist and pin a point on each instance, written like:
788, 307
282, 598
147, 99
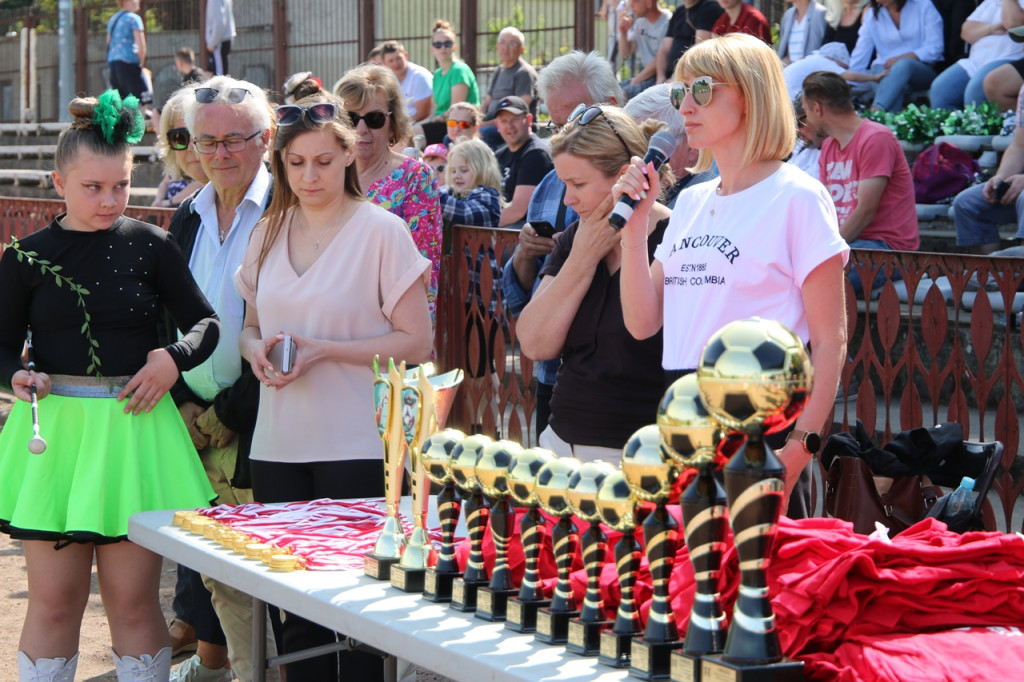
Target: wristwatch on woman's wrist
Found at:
810, 440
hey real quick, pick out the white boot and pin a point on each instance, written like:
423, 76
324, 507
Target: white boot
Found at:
144, 669
46, 669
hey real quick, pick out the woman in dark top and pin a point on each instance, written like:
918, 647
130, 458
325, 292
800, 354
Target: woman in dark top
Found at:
609, 383
90, 288
844, 22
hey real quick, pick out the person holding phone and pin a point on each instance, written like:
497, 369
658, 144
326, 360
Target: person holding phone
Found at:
609, 383
343, 278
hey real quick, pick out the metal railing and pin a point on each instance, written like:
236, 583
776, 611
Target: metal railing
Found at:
947, 353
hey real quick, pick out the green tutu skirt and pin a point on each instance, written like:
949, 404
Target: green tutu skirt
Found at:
100, 467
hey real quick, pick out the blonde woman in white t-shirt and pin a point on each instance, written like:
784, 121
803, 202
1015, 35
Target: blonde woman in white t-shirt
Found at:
763, 241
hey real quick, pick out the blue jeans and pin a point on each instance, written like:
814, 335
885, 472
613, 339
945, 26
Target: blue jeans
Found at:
953, 88
904, 77
977, 221
858, 287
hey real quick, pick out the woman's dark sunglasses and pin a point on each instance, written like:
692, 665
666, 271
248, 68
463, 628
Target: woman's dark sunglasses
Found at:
288, 114
207, 95
374, 120
438, 44
178, 139
583, 115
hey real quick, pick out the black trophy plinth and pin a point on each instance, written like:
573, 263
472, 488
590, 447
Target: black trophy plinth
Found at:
379, 567
649, 655
754, 487
475, 576
492, 600
704, 521
553, 621
408, 579
522, 609
616, 642
585, 630
438, 580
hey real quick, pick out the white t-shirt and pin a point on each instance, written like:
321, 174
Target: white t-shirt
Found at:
418, 84
992, 47
732, 257
648, 36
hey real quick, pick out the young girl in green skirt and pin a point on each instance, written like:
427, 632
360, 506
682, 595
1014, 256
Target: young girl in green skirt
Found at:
90, 287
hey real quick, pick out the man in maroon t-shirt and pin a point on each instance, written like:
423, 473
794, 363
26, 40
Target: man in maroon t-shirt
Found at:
864, 169
740, 17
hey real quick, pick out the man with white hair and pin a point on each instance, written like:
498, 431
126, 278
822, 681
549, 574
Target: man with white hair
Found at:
515, 77
656, 103
231, 128
568, 81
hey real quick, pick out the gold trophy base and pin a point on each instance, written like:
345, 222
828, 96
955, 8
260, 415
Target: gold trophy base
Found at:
585, 637
553, 626
615, 649
650, 660
522, 615
492, 605
437, 587
686, 667
716, 669
378, 567
464, 594
408, 579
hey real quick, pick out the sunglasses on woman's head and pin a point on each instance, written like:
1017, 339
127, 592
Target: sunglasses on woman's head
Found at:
288, 114
583, 115
374, 120
701, 89
207, 95
438, 44
460, 124
178, 139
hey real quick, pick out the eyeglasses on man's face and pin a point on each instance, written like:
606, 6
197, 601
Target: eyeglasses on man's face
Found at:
232, 145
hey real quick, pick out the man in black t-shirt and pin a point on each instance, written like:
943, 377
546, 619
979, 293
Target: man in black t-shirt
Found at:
523, 159
690, 24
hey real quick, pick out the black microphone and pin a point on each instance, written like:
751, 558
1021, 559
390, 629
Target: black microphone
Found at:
660, 147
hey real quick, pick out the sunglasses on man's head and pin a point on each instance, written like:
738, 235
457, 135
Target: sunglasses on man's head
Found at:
374, 120
207, 95
438, 44
289, 114
460, 124
582, 115
701, 89
178, 139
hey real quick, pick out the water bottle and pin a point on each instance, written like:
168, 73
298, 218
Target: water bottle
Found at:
961, 501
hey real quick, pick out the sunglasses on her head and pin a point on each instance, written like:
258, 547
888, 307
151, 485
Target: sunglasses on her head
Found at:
207, 95
178, 139
438, 44
289, 114
374, 120
701, 89
460, 124
583, 115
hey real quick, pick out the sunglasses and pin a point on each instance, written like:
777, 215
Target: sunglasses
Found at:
207, 95
440, 169
289, 114
701, 88
438, 44
232, 145
460, 124
583, 115
178, 139
374, 120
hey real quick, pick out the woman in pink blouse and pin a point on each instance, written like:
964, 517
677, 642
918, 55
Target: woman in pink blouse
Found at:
403, 185
342, 278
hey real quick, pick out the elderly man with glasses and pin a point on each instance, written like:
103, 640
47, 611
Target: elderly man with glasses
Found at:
230, 124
